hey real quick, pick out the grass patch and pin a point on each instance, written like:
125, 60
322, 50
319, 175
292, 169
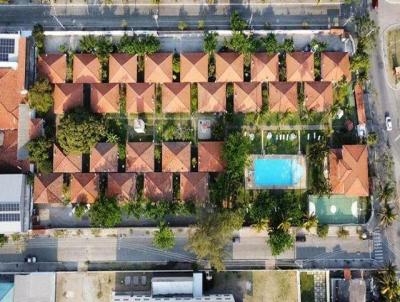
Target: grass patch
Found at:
393, 47
307, 287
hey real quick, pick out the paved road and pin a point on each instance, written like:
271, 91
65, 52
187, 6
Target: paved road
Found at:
388, 100
82, 16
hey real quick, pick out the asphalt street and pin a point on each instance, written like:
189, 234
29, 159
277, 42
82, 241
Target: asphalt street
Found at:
150, 17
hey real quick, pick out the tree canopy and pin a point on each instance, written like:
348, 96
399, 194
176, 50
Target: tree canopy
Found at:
139, 44
237, 23
79, 130
279, 241
244, 44
40, 96
39, 38
164, 238
210, 42
270, 44
211, 234
40, 153
105, 213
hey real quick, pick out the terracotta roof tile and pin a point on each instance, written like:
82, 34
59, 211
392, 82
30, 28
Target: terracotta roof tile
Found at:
229, 67
210, 157
36, 128
335, 65
104, 98
283, 97
62, 163
176, 98
8, 154
194, 67
140, 157
158, 186
67, 97
48, 188
104, 158
264, 67
53, 67
121, 185
122, 68
318, 96
176, 157
12, 83
348, 170
300, 66
140, 98
86, 68
211, 97
158, 68
359, 96
194, 186
247, 97
84, 187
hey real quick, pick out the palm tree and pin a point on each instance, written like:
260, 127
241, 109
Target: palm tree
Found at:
386, 215
261, 225
311, 221
285, 225
388, 285
386, 192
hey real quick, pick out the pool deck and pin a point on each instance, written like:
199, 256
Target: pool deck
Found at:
249, 172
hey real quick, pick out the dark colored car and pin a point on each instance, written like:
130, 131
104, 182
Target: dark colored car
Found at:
375, 4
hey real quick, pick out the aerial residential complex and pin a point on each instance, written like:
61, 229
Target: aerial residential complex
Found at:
199, 151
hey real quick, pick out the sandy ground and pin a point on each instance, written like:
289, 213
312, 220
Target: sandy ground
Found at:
273, 286
84, 287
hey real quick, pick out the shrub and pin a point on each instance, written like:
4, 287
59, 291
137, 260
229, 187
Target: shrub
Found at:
40, 153
79, 131
210, 42
322, 230
201, 24
279, 241
164, 238
105, 213
270, 44
80, 210
139, 45
342, 232
39, 38
3, 240
182, 25
237, 23
372, 138
40, 96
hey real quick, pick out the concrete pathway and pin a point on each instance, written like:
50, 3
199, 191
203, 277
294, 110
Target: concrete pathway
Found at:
319, 287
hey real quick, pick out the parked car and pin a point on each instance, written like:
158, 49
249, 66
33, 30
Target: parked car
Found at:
30, 259
388, 122
375, 4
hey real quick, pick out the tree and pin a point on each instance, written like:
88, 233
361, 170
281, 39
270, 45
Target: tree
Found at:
79, 131
40, 96
88, 44
341, 92
317, 152
372, 138
318, 46
388, 283
386, 215
270, 44
201, 24
311, 221
39, 38
279, 241
3, 240
182, 25
210, 42
164, 238
322, 230
139, 45
386, 192
360, 62
40, 153
287, 45
342, 232
211, 234
105, 213
260, 225
244, 44
285, 225
80, 210
237, 23
366, 31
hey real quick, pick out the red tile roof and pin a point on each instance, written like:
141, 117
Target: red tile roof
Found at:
348, 170
67, 97
104, 98
8, 154
264, 67
211, 97
300, 66
176, 98
335, 66
194, 186
283, 97
210, 157
229, 67
140, 157
104, 158
194, 67
359, 96
176, 157
121, 185
318, 96
84, 187
140, 98
122, 68
86, 69
62, 163
158, 68
36, 128
247, 97
158, 186
12, 84
53, 67
48, 188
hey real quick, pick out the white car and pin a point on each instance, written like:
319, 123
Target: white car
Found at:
388, 122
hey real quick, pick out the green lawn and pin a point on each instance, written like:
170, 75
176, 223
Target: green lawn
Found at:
307, 287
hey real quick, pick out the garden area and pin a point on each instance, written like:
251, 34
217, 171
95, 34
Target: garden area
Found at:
307, 287
393, 56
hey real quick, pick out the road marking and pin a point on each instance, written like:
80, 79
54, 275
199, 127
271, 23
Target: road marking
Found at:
397, 138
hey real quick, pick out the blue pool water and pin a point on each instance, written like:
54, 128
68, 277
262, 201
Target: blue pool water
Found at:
271, 172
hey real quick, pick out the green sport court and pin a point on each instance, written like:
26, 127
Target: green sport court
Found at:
336, 209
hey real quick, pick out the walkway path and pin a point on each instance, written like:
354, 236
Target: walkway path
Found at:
285, 127
319, 287
378, 248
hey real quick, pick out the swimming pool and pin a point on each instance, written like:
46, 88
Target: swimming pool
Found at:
276, 171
